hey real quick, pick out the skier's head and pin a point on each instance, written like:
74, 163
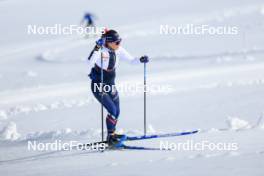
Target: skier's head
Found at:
112, 39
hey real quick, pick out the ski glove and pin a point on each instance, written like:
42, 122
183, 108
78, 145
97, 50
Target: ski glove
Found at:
144, 59
99, 43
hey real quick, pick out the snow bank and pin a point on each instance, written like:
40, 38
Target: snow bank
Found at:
65, 133
151, 129
56, 134
3, 115
9, 132
235, 123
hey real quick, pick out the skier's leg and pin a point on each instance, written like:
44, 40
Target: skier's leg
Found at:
108, 104
113, 138
110, 124
117, 104
111, 120
108, 100
115, 97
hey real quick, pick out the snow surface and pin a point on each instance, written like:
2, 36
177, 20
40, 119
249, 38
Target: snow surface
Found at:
217, 86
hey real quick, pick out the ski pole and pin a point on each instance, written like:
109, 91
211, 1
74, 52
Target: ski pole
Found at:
102, 93
145, 98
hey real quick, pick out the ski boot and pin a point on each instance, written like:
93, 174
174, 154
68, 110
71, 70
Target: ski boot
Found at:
115, 140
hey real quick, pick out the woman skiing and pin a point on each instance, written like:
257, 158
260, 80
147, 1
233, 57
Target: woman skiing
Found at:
108, 48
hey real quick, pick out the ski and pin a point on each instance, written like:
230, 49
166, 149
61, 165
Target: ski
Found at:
128, 147
142, 137
96, 147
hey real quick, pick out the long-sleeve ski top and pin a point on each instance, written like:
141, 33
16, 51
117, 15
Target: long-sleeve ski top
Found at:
107, 55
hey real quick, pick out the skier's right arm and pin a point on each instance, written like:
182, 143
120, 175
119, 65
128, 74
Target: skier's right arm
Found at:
95, 54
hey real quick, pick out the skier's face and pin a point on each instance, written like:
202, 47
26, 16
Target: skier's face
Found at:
114, 45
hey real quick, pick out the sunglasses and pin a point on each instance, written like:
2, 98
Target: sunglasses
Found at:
118, 42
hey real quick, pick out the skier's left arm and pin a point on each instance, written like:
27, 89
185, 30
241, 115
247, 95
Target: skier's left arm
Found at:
128, 57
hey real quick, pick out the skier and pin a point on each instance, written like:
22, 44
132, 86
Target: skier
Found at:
88, 20
108, 47
89, 26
